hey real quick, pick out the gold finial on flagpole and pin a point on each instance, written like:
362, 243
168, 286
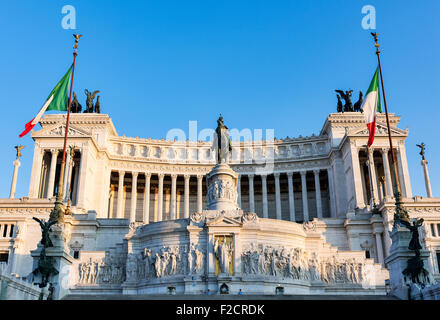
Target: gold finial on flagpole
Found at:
75, 46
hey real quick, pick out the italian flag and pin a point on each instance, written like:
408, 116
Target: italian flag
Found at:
372, 105
57, 100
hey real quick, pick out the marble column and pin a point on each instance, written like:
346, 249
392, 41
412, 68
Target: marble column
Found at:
66, 176
239, 190
304, 195
134, 176
318, 194
264, 190
331, 192
186, 196
357, 183
173, 196
14, 178
405, 184
386, 169
291, 196
379, 247
251, 193
53, 166
427, 180
199, 193
35, 183
277, 195
119, 209
107, 197
146, 217
160, 198
372, 170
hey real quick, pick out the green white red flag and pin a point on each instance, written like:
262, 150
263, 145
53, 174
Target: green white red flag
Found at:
372, 105
57, 100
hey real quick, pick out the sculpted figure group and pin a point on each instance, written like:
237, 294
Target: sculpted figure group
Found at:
221, 189
296, 263
110, 270
165, 261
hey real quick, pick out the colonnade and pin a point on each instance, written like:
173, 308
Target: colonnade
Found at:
378, 184
118, 208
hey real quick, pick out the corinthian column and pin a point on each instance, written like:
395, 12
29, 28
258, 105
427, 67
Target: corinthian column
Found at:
318, 194
331, 192
291, 196
119, 210
264, 189
53, 166
134, 176
277, 195
146, 217
372, 169
239, 190
357, 179
160, 198
386, 169
304, 195
173, 196
199, 193
251, 193
186, 196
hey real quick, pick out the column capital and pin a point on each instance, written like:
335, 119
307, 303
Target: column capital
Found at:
251, 176
316, 171
147, 175
263, 176
303, 173
174, 176
200, 176
186, 176
54, 151
134, 174
276, 175
121, 172
161, 175
290, 174
384, 150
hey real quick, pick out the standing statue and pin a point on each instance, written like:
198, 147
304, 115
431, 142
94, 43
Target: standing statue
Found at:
89, 100
97, 105
348, 107
422, 150
75, 106
45, 229
223, 252
357, 106
19, 148
222, 142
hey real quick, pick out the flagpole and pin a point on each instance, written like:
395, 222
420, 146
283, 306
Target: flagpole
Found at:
400, 213
58, 212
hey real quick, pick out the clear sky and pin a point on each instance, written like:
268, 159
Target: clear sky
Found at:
262, 64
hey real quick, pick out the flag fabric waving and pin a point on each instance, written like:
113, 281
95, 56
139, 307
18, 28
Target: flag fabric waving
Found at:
372, 105
57, 100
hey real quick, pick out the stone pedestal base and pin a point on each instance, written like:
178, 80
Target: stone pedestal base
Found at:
397, 261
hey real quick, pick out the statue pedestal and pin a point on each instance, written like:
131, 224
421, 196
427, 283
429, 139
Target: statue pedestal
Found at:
61, 260
222, 188
397, 261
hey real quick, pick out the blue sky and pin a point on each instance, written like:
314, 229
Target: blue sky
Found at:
262, 64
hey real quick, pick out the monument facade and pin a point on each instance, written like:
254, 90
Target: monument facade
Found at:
155, 216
